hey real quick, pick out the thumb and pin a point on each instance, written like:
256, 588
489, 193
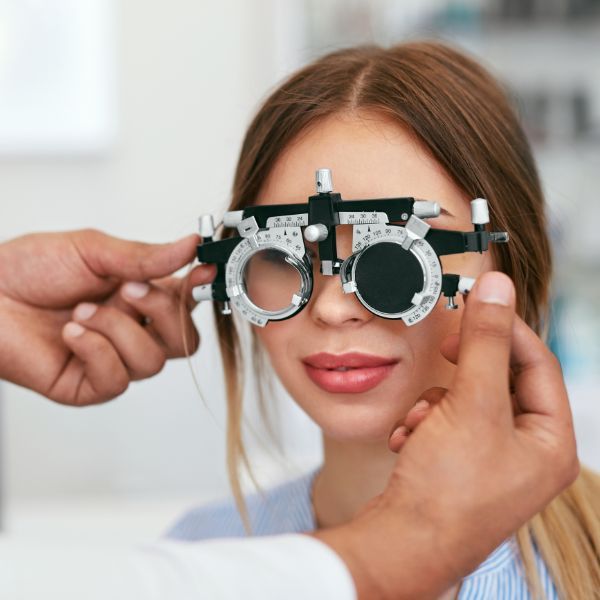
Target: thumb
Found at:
449, 348
482, 374
108, 256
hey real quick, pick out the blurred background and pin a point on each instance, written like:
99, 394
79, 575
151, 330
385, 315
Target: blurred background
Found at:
128, 117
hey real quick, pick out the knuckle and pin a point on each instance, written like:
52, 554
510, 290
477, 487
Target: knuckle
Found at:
119, 385
575, 469
157, 363
96, 343
90, 232
569, 464
166, 301
91, 236
553, 361
563, 461
144, 262
194, 342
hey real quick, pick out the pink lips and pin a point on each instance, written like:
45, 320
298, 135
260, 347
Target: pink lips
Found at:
365, 371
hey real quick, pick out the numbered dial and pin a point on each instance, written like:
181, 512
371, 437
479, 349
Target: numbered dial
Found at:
299, 220
269, 276
393, 275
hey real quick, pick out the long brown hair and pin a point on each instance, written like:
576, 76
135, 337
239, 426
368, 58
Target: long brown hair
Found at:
465, 119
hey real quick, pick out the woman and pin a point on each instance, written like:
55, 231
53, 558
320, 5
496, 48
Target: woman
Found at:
422, 120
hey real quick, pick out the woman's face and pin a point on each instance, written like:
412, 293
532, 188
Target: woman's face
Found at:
370, 157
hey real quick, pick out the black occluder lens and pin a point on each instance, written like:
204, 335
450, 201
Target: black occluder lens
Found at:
387, 277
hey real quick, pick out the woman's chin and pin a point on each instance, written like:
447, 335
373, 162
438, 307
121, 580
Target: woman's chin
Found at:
355, 424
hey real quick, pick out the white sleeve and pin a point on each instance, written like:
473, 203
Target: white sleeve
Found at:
294, 567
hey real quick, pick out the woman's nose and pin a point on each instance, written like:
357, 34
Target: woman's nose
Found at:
328, 304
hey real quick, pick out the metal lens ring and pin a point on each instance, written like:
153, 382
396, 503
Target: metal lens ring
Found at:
392, 276
281, 256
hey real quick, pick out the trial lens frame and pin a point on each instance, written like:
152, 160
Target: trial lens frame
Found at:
411, 250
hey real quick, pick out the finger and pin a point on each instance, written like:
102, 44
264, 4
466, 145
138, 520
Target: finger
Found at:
421, 409
178, 286
95, 374
398, 438
485, 342
119, 303
537, 375
199, 275
527, 352
449, 347
433, 395
168, 323
137, 349
202, 274
416, 414
108, 256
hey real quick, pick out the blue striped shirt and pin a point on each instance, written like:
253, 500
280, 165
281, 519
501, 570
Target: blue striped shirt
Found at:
287, 508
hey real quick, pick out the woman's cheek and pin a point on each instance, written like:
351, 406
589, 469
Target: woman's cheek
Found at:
277, 340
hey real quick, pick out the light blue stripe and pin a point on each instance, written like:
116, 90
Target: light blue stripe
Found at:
287, 508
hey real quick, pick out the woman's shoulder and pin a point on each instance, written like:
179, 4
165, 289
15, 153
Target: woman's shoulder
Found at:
285, 508
502, 576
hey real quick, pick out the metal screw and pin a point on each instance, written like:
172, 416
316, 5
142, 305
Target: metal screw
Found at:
451, 304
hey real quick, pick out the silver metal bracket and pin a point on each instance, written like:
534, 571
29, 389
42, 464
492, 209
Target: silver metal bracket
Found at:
349, 287
499, 237
248, 228
327, 266
416, 229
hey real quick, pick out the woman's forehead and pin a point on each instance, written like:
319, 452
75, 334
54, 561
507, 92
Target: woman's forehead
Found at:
370, 157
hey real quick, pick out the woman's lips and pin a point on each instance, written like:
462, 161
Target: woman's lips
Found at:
363, 372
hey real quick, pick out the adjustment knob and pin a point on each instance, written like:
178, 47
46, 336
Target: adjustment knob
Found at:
206, 226
480, 214
465, 284
233, 218
202, 292
424, 209
324, 181
316, 233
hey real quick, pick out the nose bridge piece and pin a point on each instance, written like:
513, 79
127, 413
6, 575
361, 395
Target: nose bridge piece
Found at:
322, 221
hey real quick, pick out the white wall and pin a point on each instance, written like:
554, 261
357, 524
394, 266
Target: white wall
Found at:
189, 76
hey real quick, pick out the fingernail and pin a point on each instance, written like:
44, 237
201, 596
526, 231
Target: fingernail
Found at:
495, 288
135, 290
74, 329
84, 311
421, 404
